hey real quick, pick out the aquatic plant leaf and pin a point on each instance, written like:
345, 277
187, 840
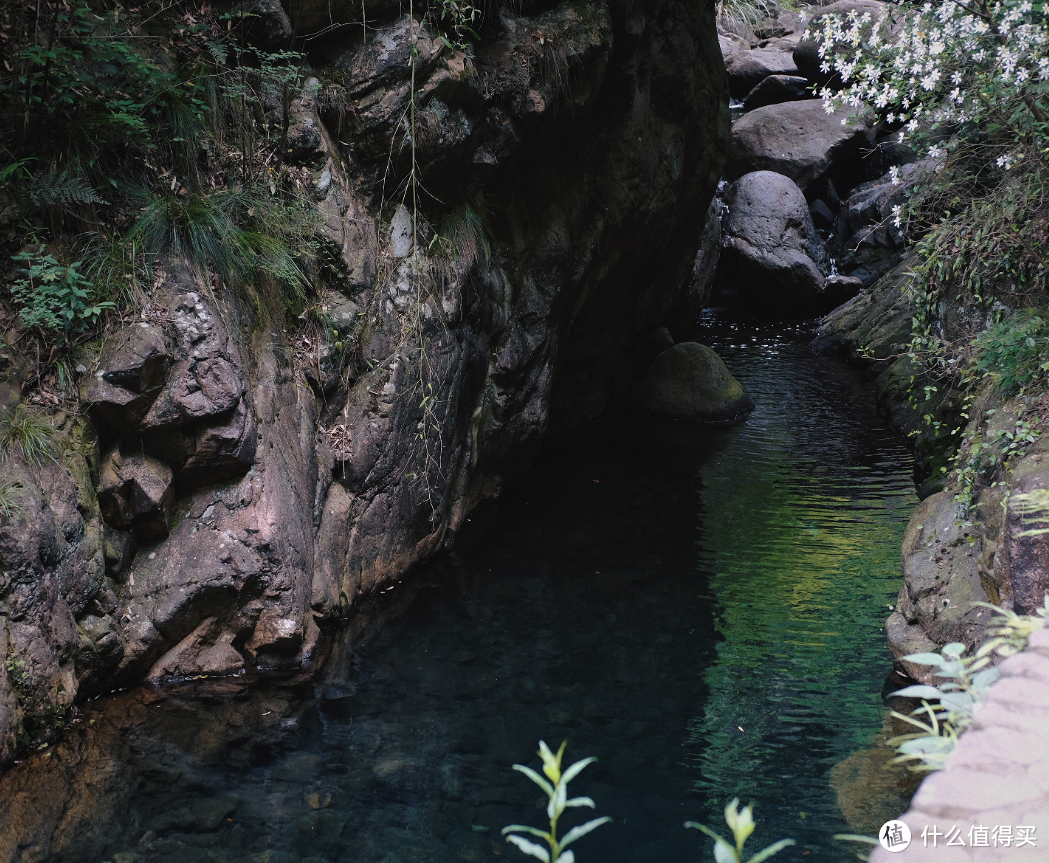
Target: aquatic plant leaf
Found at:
524, 828
567, 857
573, 771
583, 829
536, 778
581, 801
774, 848
530, 848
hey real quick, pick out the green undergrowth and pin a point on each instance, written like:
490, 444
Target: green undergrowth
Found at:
131, 135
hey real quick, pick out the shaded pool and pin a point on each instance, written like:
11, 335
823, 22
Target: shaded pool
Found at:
700, 608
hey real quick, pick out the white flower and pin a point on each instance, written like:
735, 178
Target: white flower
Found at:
897, 216
894, 176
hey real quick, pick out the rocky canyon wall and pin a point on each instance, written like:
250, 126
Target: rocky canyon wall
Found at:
237, 480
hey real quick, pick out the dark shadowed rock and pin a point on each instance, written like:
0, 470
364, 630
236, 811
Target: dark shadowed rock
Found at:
770, 247
868, 218
776, 89
690, 380
135, 491
265, 22
704, 268
133, 367
314, 17
801, 141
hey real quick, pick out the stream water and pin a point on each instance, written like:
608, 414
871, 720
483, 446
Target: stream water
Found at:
700, 608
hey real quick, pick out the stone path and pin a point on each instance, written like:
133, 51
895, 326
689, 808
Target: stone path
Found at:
991, 802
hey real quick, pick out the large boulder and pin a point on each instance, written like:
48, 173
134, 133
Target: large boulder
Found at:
690, 380
802, 141
747, 69
941, 583
769, 244
314, 460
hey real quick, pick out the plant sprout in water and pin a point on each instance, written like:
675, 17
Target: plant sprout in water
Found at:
742, 825
555, 786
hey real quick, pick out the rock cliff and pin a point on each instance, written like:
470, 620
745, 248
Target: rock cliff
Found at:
235, 480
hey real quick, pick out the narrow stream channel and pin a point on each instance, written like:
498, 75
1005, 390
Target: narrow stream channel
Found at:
699, 608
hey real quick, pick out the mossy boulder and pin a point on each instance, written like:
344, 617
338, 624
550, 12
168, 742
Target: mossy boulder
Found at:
690, 380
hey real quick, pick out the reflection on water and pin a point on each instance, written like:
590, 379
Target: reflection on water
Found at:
699, 608
803, 550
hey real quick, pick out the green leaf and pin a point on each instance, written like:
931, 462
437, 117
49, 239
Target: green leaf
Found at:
573, 771
524, 828
920, 690
536, 778
774, 848
583, 829
530, 848
724, 853
925, 658
855, 837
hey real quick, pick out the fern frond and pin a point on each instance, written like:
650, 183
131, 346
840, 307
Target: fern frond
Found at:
60, 189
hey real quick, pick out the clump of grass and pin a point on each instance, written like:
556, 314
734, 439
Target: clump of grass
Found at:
9, 494
29, 433
461, 238
239, 233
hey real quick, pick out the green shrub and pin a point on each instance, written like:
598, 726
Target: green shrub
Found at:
1013, 352
948, 709
51, 296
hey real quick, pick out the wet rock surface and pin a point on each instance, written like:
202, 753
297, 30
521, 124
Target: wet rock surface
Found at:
854, 177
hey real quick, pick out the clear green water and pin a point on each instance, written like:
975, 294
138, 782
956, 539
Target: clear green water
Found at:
701, 609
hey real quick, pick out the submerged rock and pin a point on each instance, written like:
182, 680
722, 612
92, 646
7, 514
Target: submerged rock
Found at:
690, 380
